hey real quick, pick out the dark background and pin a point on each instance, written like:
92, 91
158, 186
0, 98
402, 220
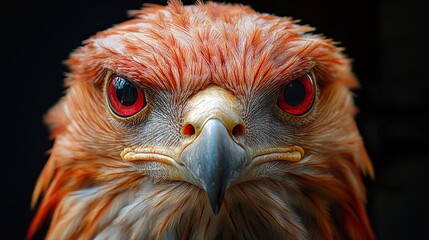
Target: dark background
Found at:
387, 40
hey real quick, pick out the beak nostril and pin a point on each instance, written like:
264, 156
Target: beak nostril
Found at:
188, 130
238, 130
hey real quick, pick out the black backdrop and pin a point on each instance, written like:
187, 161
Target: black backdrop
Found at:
387, 40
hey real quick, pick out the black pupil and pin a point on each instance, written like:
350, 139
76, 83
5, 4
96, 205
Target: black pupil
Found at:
294, 93
125, 91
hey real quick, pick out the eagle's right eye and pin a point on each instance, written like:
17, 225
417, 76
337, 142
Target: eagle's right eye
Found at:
125, 99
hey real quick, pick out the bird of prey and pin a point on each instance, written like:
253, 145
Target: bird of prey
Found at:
205, 121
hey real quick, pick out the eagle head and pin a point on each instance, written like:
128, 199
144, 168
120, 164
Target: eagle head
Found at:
205, 121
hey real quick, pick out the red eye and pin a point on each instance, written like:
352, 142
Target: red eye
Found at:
298, 96
124, 97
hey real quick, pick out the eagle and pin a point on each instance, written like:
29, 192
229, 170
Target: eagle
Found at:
205, 121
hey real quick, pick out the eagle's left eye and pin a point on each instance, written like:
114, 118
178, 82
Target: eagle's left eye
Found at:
297, 96
124, 97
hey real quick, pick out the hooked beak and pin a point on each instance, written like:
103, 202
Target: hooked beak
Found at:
214, 159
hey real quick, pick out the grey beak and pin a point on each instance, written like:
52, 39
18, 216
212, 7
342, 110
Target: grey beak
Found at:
214, 158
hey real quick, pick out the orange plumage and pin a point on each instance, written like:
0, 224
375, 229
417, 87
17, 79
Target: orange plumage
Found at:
211, 150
